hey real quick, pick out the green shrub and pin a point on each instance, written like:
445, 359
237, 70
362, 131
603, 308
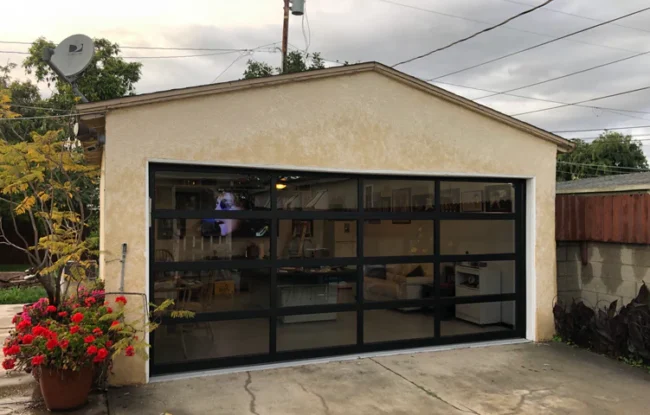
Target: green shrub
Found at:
24, 295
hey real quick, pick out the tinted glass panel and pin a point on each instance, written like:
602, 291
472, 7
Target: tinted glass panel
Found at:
477, 197
394, 282
466, 279
210, 340
397, 237
397, 324
214, 290
318, 286
398, 195
310, 331
316, 193
317, 239
212, 191
459, 237
478, 318
211, 239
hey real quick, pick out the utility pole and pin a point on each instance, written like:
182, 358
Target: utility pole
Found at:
285, 36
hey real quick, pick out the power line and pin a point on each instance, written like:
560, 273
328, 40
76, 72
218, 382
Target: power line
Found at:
539, 44
424, 55
37, 117
579, 16
483, 22
566, 76
541, 99
11, 42
36, 108
581, 102
601, 129
14, 52
600, 165
230, 66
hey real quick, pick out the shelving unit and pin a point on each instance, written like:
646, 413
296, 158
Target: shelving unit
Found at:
472, 281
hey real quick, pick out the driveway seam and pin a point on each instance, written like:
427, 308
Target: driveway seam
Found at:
251, 406
425, 390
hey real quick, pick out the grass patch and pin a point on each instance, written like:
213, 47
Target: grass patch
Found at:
13, 267
24, 295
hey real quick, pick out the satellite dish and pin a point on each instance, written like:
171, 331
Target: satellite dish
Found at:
73, 55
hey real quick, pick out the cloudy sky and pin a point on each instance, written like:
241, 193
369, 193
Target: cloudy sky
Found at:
387, 31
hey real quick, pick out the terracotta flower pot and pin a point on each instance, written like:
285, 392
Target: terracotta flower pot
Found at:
65, 389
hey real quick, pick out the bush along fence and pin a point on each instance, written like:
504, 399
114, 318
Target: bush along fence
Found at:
621, 334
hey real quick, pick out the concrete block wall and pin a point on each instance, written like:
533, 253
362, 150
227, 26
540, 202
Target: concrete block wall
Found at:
613, 272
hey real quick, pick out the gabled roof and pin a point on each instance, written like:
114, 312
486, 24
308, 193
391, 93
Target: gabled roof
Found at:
91, 110
634, 182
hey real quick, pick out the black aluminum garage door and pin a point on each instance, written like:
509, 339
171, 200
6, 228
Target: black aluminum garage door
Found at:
282, 265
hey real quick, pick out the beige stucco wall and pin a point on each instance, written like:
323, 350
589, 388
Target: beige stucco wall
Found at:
358, 122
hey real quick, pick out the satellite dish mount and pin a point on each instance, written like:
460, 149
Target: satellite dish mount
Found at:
70, 58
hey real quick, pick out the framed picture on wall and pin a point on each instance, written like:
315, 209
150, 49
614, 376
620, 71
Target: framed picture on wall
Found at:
450, 200
472, 201
401, 200
498, 198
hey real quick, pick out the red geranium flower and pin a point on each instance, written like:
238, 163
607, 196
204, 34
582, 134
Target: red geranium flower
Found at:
109, 343
13, 320
63, 314
28, 338
8, 364
23, 325
77, 317
101, 355
74, 329
50, 309
51, 344
130, 351
97, 331
90, 301
39, 331
109, 310
115, 323
89, 339
121, 299
13, 350
38, 360
76, 305
91, 350
64, 344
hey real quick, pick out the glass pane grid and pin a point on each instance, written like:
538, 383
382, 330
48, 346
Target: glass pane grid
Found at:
310, 252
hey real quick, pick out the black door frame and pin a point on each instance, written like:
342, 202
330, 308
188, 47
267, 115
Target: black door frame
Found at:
437, 302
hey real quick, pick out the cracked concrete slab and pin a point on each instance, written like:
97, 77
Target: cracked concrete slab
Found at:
514, 379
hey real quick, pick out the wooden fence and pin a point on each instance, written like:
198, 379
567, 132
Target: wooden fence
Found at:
611, 218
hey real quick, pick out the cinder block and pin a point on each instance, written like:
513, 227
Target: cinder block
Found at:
573, 268
593, 270
620, 288
573, 252
639, 255
595, 285
561, 252
629, 253
590, 298
569, 283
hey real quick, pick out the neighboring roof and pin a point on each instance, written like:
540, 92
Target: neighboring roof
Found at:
91, 109
635, 182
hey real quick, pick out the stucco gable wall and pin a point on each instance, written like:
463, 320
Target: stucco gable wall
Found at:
364, 122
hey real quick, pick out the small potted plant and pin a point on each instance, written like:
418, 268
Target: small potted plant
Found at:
68, 346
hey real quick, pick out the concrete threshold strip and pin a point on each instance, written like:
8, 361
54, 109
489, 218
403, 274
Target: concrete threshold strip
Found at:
279, 365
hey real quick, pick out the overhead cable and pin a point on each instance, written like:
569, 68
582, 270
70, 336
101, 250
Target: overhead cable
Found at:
424, 55
539, 44
583, 101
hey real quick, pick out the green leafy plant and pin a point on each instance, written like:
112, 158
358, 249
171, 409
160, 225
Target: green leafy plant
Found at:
85, 330
21, 295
